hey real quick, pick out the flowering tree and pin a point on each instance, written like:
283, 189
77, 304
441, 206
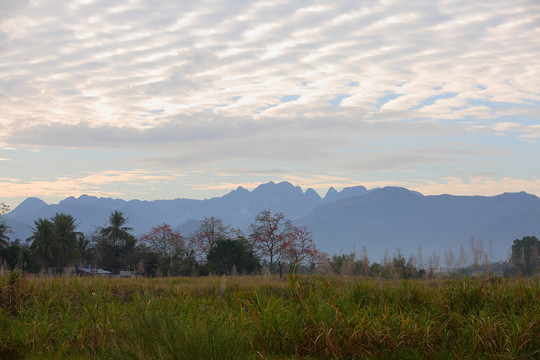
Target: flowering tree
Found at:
268, 234
298, 246
164, 241
210, 232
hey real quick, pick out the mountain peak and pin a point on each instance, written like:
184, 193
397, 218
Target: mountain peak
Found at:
396, 190
310, 193
271, 186
330, 194
333, 195
28, 205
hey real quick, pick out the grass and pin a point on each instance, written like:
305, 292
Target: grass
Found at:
261, 317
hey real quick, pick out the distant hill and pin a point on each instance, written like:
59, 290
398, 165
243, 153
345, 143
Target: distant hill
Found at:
396, 218
237, 208
387, 218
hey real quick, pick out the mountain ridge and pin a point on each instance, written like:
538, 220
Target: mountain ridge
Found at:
381, 218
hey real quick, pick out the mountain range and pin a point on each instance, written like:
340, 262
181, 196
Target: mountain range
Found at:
382, 219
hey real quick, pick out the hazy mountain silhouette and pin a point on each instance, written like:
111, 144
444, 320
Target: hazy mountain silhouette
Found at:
396, 218
237, 208
387, 218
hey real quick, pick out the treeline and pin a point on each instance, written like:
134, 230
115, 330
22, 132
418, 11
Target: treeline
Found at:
272, 245
524, 260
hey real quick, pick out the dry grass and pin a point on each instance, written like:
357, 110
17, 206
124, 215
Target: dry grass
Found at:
265, 317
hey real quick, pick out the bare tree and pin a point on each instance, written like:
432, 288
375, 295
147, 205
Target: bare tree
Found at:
420, 258
462, 260
449, 260
365, 262
433, 263
4, 208
210, 232
386, 259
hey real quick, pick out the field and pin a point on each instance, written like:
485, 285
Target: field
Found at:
263, 317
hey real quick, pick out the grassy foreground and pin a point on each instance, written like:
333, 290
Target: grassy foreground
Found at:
263, 317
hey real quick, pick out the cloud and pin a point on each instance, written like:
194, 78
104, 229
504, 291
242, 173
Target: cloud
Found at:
104, 183
478, 185
105, 64
349, 89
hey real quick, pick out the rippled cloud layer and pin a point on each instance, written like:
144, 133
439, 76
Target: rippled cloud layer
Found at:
430, 94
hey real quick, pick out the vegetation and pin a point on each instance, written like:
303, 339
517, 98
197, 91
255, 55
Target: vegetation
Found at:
4, 230
262, 317
55, 243
273, 246
232, 256
402, 308
526, 255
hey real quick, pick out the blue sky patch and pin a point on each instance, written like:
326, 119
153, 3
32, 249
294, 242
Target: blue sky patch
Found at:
431, 100
386, 98
337, 100
288, 98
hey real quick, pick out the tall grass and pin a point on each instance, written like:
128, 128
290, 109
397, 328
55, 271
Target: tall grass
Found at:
265, 318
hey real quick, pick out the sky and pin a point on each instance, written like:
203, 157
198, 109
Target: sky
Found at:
154, 99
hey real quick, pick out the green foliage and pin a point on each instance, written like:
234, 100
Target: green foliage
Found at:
4, 238
66, 237
54, 243
43, 242
116, 233
114, 255
397, 268
113, 245
526, 255
17, 256
228, 254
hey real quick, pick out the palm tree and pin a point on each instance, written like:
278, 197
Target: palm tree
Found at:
66, 234
44, 243
116, 231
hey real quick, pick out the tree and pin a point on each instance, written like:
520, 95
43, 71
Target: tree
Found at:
365, 261
44, 246
268, 233
16, 256
114, 245
298, 246
462, 260
4, 229
410, 270
67, 238
449, 260
525, 254
116, 231
86, 250
55, 242
210, 232
318, 259
4, 239
164, 241
477, 250
229, 254
433, 263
